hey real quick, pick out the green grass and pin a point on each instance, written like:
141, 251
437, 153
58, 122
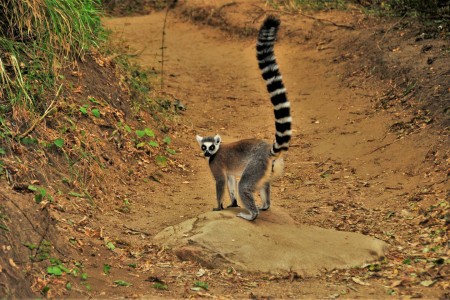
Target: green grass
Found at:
37, 39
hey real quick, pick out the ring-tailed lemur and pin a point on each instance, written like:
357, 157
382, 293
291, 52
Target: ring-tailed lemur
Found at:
256, 162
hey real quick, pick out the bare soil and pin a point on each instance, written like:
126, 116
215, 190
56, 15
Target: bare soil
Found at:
370, 154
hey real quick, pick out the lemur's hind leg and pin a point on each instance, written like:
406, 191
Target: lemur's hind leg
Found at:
265, 196
232, 191
246, 191
248, 183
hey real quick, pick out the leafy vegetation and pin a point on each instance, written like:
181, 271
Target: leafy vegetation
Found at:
40, 194
122, 283
59, 131
38, 38
160, 286
201, 284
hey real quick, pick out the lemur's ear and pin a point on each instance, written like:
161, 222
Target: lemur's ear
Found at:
217, 139
199, 139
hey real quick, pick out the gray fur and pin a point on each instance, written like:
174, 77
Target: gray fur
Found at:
252, 162
256, 162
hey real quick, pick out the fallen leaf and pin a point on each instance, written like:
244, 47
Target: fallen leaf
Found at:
396, 283
201, 272
427, 282
13, 264
359, 281
334, 296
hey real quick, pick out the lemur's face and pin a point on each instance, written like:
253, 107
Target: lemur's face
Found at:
209, 145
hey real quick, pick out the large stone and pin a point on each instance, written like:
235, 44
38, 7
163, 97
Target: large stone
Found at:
272, 243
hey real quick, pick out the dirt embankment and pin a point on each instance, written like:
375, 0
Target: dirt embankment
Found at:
370, 154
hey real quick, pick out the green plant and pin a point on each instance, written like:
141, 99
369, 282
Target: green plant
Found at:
2, 163
40, 194
83, 109
28, 141
161, 160
140, 81
171, 151
146, 132
59, 142
124, 127
110, 246
56, 268
201, 284
141, 134
96, 112
126, 206
122, 283
43, 250
106, 269
153, 143
160, 286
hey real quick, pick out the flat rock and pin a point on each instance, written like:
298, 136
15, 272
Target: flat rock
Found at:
273, 243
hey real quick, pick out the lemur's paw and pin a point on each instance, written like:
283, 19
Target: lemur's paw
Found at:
264, 207
249, 217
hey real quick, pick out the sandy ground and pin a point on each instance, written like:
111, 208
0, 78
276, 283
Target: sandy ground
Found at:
369, 154
345, 170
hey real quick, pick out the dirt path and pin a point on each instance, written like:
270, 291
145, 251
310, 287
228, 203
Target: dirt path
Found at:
343, 171
216, 76
218, 81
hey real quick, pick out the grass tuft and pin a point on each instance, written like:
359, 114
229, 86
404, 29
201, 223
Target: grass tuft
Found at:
37, 39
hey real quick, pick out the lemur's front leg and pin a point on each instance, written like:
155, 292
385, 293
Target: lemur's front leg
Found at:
220, 187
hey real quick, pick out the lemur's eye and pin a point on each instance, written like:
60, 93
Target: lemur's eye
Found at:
203, 147
212, 147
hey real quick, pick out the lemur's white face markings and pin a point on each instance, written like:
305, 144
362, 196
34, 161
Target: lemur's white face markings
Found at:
209, 145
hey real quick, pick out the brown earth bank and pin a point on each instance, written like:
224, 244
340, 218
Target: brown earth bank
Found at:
370, 154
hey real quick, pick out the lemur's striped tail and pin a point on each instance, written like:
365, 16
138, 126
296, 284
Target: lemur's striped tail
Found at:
277, 91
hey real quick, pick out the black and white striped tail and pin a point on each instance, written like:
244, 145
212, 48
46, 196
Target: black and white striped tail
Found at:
277, 91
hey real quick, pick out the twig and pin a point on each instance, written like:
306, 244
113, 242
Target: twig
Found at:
389, 29
42, 235
47, 111
169, 6
383, 146
136, 230
226, 5
305, 15
328, 21
43, 238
